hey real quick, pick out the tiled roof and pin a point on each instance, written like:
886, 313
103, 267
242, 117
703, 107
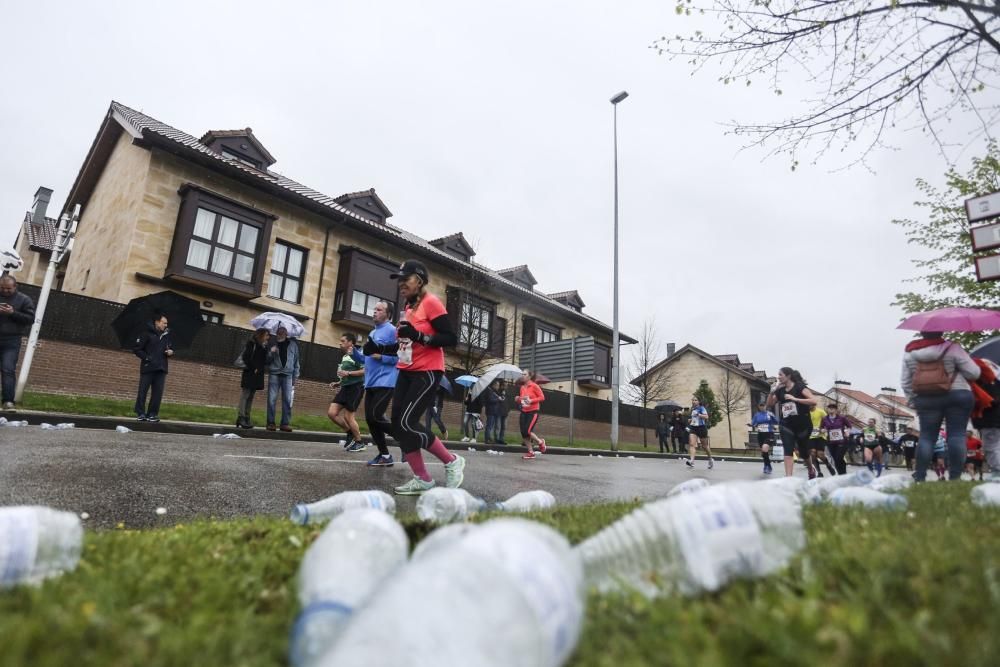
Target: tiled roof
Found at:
149, 128
370, 192
514, 269
717, 359
867, 399
41, 236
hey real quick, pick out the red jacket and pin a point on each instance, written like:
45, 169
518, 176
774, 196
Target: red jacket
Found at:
532, 392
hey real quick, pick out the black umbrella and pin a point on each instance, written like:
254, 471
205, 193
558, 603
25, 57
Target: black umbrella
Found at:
183, 314
667, 406
988, 349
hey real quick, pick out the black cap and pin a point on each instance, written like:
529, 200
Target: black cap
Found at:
409, 268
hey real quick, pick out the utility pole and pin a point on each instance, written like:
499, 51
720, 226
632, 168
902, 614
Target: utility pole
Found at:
62, 247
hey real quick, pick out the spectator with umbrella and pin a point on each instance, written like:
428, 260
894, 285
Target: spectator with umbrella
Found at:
283, 364
254, 363
936, 379
143, 326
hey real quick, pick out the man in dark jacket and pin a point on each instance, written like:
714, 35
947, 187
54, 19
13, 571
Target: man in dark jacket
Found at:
17, 314
502, 411
492, 401
154, 349
663, 432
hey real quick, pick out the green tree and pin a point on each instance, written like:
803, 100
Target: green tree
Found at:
867, 68
706, 397
948, 274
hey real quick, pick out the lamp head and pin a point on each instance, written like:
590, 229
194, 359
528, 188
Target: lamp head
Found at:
619, 97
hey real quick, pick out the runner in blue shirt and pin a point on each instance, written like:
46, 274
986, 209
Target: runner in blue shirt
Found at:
380, 380
764, 423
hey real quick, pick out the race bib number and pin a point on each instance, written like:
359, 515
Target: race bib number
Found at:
789, 409
815, 433
869, 437
836, 434
763, 428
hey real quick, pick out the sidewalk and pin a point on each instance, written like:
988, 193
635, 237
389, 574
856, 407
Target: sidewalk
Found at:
203, 429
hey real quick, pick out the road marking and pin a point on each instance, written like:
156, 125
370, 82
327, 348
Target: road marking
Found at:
292, 458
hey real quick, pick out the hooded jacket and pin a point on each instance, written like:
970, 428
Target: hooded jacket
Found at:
957, 363
151, 347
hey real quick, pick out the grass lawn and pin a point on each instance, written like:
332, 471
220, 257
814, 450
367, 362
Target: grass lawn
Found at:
871, 588
109, 407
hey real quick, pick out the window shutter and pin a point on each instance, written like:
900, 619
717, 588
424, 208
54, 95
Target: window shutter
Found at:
498, 336
528, 331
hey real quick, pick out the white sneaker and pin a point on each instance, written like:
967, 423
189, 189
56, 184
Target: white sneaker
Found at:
465, 439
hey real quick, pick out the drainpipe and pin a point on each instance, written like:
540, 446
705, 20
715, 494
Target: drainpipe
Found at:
319, 291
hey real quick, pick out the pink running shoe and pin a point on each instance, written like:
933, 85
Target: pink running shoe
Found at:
530, 456
541, 445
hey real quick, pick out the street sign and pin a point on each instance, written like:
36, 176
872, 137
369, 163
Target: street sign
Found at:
988, 268
986, 237
982, 208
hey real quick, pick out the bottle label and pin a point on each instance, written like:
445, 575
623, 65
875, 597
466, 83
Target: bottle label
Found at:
18, 544
404, 355
551, 591
718, 535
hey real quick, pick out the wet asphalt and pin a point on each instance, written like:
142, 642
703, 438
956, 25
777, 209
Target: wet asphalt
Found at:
123, 478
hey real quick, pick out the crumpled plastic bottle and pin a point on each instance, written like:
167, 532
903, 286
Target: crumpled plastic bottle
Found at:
37, 543
444, 505
326, 509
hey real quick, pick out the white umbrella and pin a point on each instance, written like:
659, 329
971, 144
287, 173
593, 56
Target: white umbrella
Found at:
10, 261
496, 372
271, 322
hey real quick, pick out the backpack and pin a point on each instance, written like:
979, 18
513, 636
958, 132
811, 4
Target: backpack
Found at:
931, 378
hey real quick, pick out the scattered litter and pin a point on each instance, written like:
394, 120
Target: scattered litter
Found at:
631, 457
341, 442
472, 449
161, 510
986, 494
122, 429
84, 516
869, 498
326, 509
38, 543
3, 420
64, 426
528, 501
15, 423
46, 426
492, 452
226, 436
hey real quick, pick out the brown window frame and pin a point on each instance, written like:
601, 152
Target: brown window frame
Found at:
284, 273
354, 264
487, 307
194, 197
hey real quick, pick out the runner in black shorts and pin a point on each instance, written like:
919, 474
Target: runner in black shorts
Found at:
909, 442
350, 388
793, 399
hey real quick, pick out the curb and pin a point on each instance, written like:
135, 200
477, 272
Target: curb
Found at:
329, 437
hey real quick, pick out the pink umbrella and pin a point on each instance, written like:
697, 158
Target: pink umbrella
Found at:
953, 319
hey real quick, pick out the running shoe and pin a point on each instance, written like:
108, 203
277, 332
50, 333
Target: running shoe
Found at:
767, 470
541, 445
689, 463
348, 444
414, 487
152, 418
356, 446
382, 460
711, 464
141, 418
530, 456
453, 472
465, 439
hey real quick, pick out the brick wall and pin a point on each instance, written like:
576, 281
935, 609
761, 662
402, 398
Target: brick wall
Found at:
71, 369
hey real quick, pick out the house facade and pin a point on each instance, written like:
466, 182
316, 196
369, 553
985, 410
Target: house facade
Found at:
682, 371
35, 240
209, 218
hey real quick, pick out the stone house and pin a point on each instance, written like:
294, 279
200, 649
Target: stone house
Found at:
35, 240
682, 371
211, 219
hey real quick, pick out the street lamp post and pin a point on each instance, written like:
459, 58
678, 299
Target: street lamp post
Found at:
63, 245
615, 351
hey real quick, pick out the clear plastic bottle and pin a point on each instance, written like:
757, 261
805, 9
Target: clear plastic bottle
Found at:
699, 541
690, 485
326, 509
441, 537
37, 543
859, 495
404, 355
353, 556
820, 488
444, 505
889, 483
986, 494
519, 573
528, 501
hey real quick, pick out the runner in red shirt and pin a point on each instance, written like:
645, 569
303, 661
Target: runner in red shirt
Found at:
973, 455
424, 330
529, 398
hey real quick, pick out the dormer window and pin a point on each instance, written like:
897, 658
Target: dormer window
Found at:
456, 246
240, 158
239, 145
520, 275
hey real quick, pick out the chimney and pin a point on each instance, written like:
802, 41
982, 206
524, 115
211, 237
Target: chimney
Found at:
41, 205
671, 348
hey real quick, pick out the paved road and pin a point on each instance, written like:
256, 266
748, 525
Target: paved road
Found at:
125, 477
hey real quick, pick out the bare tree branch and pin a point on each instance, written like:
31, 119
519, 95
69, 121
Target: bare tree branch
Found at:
646, 387
877, 67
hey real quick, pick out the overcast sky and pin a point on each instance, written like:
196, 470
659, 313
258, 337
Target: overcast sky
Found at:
494, 120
